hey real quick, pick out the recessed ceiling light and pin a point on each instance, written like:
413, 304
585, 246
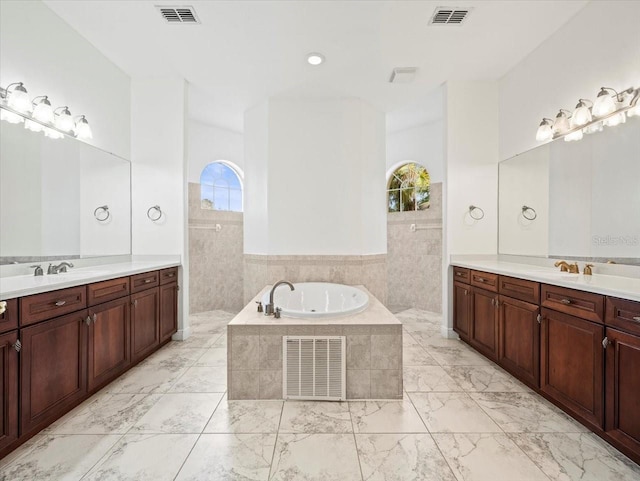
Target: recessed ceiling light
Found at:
315, 58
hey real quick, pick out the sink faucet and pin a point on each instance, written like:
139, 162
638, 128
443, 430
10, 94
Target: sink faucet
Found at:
268, 309
62, 267
565, 267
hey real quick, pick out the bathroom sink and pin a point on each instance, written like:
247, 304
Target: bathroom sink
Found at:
80, 274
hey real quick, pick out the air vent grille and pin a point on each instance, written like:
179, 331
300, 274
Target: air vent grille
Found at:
182, 14
449, 16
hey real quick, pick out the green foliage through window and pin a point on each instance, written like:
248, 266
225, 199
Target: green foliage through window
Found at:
409, 188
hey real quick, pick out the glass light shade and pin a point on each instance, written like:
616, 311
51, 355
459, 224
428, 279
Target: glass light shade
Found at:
44, 112
634, 111
33, 126
581, 115
593, 128
52, 134
18, 99
64, 121
617, 119
577, 135
545, 132
82, 129
10, 117
561, 123
604, 104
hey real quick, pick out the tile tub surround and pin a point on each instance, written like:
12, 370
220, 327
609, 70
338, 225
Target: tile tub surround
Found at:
373, 351
367, 270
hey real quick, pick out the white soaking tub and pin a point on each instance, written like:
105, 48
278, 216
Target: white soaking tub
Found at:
312, 300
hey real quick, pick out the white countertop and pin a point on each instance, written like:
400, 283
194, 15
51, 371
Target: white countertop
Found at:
25, 285
616, 286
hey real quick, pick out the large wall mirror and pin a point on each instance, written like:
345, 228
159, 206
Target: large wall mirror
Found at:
583, 198
60, 198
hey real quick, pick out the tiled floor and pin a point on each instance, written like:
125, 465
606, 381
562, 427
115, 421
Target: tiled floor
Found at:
462, 418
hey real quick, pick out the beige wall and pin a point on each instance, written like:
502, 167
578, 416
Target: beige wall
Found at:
415, 258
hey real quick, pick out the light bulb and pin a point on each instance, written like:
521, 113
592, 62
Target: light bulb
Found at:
581, 115
18, 98
33, 126
593, 128
43, 111
545, 131
64, 120
577, 135
561, 123
52, 134
82, 129
10, 117
604, 104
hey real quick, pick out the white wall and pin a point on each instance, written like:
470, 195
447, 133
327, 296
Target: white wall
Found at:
599, 47
423, 144
208, 143
38, 48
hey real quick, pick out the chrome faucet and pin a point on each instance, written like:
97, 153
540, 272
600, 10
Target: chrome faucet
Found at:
268, 309
62, 267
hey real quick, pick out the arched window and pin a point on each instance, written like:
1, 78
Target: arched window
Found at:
220, 188
408, 188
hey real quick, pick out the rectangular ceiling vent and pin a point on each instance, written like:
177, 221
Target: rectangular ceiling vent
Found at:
449, 16
403, 75
182, 14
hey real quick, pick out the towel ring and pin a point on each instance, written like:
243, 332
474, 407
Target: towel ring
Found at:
154, 218
526, 209
102, 213
472, 209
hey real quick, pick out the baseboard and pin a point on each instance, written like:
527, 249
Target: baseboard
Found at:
182, 334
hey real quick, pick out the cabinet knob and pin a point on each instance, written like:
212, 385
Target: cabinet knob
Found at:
87, 320
566, 302
60, 303
17, 346
636, 318
539, 319
606, 343
3, 307
497, 303
134, 303
480, 279
147, 281
466, 292
94, 317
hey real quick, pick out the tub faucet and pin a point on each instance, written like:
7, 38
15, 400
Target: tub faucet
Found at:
268, 309
62, 267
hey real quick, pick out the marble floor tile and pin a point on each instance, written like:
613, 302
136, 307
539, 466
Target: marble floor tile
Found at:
223, 457
200, 340
58, 458
108, 413
156, 457
428, 378
213, 357
525, 413
434, 338
385, 417
202, 379
487, 457
575, 456
408, 340
401, 457
452, 412
316, 417
315, 457
146, 379
456, 355
245, 417
485, 379
174, 356
221, 341
178, 413
417, 356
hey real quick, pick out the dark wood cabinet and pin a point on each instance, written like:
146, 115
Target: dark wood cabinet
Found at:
168, 310
109, 337
51, 304
519, 339
8, 388
462, 309
9, 318
623, 389
53, 374
145, 322
572, 365
484, 323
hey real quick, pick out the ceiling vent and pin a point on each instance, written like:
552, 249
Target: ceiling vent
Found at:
182, 14
449, 16
403, 75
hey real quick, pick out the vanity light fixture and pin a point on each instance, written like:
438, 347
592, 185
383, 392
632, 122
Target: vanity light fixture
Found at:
43, 111
315, 58
82, 129
582, 114
604, 103
17, 98
561, 123
545, 130
64, 120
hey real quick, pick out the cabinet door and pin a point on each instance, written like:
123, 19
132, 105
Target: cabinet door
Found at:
8, 389
462, 297
484, 325
109, 352
168, 310
572, 364
623, 388
53, 369
145, 332
519, 339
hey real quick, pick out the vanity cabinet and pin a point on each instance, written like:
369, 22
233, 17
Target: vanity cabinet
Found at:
168, 310
8, 388
145, 323
484, 322
9, 318
462, 309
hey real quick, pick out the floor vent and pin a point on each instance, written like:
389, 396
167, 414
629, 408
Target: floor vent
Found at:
449, 16
182, 14
314, 368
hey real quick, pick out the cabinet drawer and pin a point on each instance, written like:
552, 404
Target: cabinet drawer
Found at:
100, 292
527, 291
9, 318
623, 314
485, 280
576, 303
51, 304
140, 282
462, 274
168, 275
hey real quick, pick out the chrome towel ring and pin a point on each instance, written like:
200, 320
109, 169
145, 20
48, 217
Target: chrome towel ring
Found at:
529, 213
102, 213
158, 213
479, 213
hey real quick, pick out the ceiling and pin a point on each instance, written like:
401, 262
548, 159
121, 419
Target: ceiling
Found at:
246, 51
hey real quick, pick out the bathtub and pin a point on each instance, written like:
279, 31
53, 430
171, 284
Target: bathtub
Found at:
318, 300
